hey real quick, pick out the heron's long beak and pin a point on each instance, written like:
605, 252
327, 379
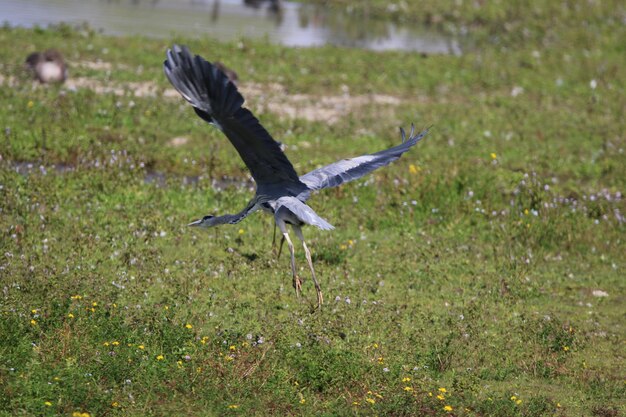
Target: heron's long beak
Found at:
196, 223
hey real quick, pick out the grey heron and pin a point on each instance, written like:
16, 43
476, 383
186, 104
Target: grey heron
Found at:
279, 189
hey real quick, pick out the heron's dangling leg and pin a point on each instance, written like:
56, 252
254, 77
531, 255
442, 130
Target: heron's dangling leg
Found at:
274, 236
307, 253
282, 241
280, 248
297, 283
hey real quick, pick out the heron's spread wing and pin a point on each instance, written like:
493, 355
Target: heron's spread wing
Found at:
216, 100
303, 212
350, 169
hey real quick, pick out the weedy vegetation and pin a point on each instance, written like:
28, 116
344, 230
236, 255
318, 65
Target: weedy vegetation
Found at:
480, 275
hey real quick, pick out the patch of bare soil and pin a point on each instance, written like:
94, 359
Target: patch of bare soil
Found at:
271, 97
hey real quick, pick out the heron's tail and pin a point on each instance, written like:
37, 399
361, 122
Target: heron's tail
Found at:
201, 83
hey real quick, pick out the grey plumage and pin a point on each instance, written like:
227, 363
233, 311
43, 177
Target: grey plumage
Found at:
279, 189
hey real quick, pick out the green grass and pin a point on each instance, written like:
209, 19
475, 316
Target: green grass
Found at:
451, 269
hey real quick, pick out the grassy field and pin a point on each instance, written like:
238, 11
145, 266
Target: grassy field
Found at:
480, 275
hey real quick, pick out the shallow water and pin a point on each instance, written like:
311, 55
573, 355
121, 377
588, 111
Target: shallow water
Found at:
293, 25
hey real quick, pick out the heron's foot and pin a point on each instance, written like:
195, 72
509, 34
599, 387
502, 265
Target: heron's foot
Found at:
297, 285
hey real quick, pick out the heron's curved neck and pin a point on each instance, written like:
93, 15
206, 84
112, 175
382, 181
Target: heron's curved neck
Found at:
251, 207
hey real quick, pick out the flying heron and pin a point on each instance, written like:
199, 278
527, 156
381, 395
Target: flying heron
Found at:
279, 189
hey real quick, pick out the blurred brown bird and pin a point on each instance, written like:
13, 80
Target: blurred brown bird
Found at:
47, 66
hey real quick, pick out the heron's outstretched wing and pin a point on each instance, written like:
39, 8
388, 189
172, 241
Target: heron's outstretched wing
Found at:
350, 169
303, 212
216, 99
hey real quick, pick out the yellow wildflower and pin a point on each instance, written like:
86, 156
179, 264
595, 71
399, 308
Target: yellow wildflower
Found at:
115, 343
142, 347
447, 408
241, 231
76, 297
30, 104
48, 404
33, 322
566, 348
406, 379
355, 403
493, 155
188, 326
513, 398
302, 400
70, 316
408, 389
95, 304
115, 404
518, 402
413, 169
370, 400
232, 347
343, 247
440, 397
442, 389
160, 357
233, 406
34, 311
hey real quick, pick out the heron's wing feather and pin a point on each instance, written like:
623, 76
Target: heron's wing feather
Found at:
216, 99
303, 212
350, 169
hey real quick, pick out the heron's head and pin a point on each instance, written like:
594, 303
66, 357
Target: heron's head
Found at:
206, 221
